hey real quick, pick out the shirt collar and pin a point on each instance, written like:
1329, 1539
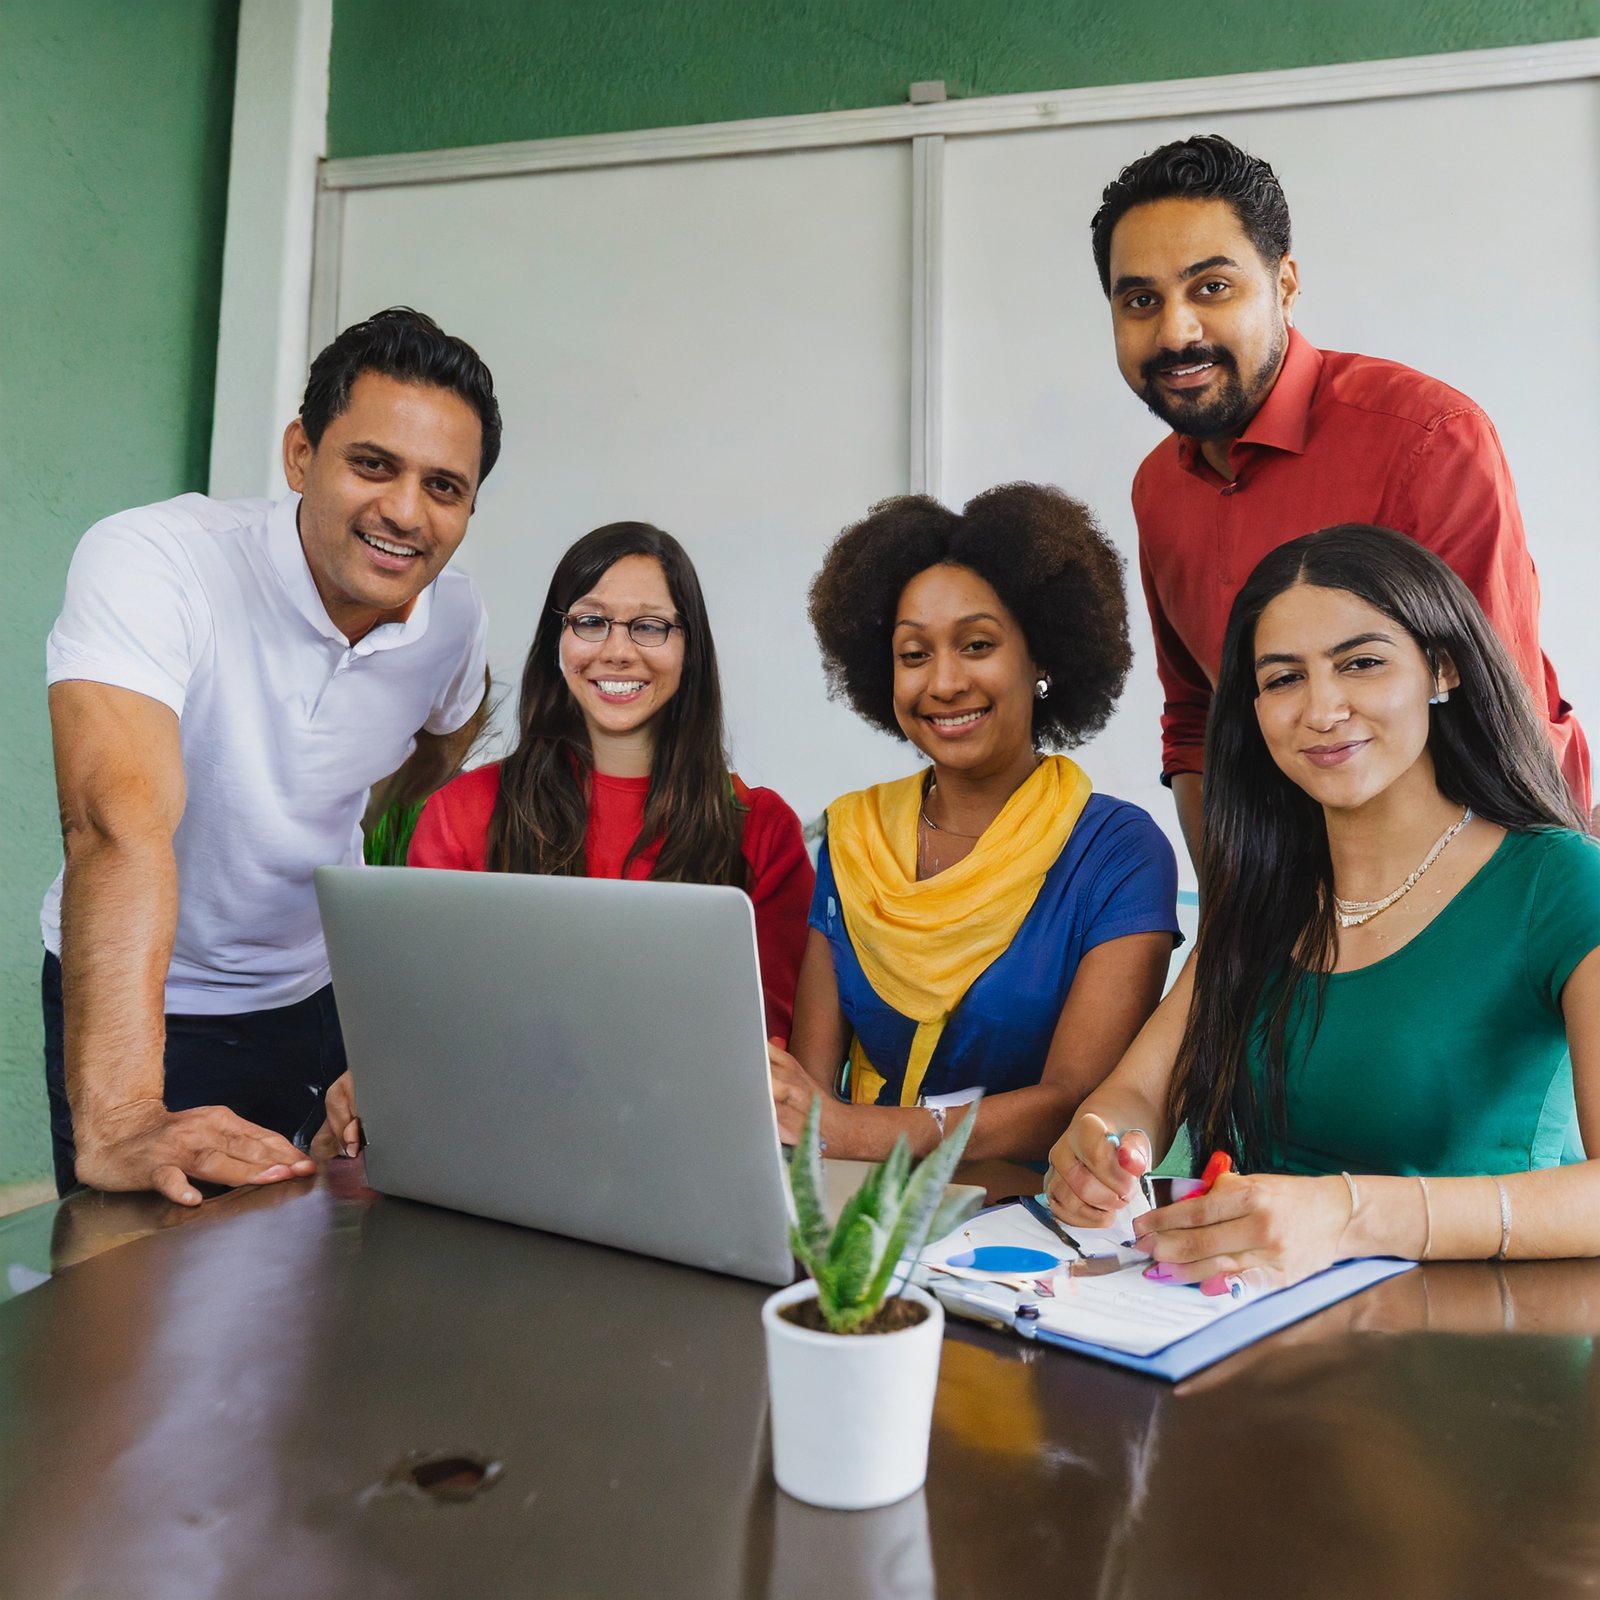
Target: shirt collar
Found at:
288, 559
1284, 417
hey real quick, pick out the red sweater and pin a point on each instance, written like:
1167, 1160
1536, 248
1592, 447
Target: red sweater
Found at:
453, 832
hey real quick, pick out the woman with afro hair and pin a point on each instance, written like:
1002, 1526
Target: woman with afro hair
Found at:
987, 924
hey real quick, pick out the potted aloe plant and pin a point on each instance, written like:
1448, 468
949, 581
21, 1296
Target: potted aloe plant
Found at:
853, 1351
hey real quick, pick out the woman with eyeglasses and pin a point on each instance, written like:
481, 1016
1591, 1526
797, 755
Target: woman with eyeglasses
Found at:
1391, 1023
620, 769
988, 923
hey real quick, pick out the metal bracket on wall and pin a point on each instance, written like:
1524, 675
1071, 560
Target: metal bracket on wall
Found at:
927, 315
327, 245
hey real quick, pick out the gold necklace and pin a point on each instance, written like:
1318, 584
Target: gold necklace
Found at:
1352, 913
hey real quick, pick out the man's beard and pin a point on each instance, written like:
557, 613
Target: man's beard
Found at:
1228, 406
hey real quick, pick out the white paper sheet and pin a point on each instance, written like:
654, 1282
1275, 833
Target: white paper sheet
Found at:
1121, 1310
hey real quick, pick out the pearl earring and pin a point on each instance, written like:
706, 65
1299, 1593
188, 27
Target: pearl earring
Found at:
1439, 698
1042, 687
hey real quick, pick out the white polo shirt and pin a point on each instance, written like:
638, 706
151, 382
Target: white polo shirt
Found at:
209, 607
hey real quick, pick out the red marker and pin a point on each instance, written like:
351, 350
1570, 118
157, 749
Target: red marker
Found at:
1228, 1283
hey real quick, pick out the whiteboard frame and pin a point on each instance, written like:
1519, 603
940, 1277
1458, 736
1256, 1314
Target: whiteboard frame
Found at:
925, 127
1120, 102
926, 474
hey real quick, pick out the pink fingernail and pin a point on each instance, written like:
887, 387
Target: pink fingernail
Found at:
1158, 1272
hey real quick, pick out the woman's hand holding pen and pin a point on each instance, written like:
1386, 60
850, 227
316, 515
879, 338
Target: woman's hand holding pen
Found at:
1094, 1172
1267, 1231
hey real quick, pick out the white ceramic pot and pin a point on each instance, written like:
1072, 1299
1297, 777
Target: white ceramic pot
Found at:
851, 1414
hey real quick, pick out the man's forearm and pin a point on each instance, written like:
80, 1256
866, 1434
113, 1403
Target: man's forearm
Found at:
119, 910
1187, 797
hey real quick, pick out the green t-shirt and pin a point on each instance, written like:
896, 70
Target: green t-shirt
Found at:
1449, 1057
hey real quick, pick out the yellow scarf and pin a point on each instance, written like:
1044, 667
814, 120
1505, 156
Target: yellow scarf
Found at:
922, 945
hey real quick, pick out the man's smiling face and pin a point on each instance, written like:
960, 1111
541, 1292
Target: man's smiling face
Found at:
386, 494
1201, 321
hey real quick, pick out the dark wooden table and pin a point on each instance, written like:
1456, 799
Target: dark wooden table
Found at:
235, 1403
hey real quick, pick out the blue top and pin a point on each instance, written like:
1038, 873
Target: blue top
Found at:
1115, 875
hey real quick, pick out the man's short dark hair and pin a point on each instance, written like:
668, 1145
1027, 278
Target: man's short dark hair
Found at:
404, 344
1204, 167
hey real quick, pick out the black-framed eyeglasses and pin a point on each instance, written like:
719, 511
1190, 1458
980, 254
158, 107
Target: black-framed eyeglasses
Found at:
649, 633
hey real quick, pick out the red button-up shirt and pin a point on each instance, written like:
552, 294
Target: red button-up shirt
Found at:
1341, 438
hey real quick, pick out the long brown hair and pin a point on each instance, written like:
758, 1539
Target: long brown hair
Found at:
541, 815
1266, 877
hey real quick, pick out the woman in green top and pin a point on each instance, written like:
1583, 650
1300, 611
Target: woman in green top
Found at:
1391, 1021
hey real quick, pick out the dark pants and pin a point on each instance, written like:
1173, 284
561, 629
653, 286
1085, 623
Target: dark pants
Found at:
271, 1067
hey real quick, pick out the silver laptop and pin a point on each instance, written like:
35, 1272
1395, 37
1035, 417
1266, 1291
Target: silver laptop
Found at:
581, 1055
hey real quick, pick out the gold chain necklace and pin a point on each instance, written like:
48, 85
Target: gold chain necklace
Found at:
1352, 913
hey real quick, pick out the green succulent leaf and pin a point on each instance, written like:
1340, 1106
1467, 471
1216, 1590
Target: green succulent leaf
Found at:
809, 1237
815, 1265
908, 1230
864, 1203
851, 1258
893, 1173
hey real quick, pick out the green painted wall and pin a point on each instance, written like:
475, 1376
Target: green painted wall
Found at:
431, 74
114, 125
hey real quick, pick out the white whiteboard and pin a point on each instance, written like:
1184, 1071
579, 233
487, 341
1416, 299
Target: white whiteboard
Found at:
725, 346
719, 347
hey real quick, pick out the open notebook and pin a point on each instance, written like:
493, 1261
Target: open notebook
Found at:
1008, 1266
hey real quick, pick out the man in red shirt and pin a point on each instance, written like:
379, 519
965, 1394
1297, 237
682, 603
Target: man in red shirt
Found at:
1273, 438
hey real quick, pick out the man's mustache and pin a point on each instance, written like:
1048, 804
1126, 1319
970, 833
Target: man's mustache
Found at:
1171, 360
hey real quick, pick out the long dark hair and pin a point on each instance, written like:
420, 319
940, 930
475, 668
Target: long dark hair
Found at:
1266, 879
541, 815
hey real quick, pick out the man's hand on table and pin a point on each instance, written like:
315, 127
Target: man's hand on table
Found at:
340, 1133
142, 1145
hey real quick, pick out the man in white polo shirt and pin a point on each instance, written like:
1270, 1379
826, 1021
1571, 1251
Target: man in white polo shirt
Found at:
228, 680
